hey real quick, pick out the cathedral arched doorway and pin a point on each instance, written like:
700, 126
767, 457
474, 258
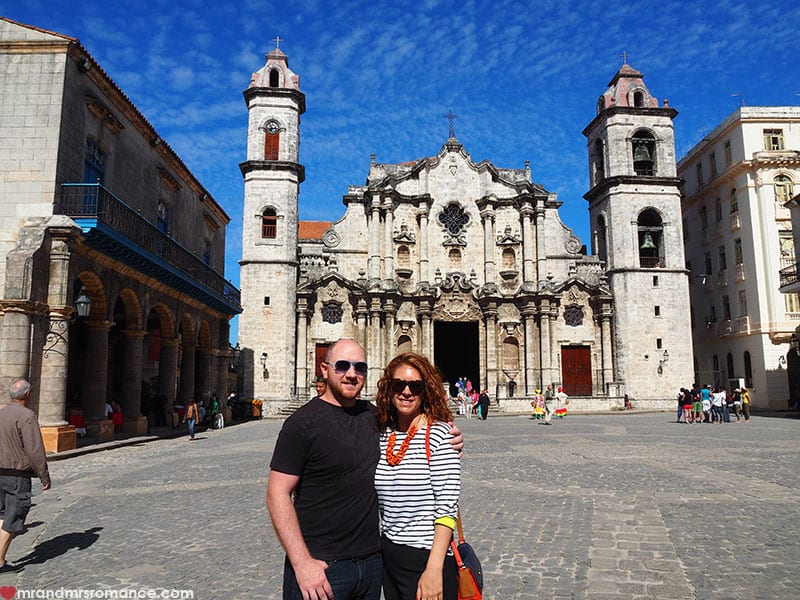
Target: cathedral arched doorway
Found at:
456, 352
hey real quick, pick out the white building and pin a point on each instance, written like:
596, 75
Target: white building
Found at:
738, 237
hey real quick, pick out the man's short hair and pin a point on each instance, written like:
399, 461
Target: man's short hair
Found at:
19, 389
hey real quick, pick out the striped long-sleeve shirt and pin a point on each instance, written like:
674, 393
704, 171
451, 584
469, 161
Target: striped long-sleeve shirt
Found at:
413, 494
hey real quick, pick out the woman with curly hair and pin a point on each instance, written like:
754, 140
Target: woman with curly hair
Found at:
418, 481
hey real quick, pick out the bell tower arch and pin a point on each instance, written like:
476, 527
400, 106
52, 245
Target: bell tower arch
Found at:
635, 216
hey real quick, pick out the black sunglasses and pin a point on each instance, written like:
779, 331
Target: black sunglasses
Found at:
343, 366
398, 386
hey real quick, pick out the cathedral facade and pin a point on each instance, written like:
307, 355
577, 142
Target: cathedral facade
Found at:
469, 263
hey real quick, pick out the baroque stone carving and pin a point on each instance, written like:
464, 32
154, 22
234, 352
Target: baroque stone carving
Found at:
332, 312
331, 239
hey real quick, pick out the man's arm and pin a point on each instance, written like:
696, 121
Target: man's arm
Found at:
457, 441
309, 572
34, 449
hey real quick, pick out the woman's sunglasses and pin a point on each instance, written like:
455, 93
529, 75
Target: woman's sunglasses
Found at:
343, 366
398, 386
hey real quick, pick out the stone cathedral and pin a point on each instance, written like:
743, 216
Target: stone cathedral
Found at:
469, 263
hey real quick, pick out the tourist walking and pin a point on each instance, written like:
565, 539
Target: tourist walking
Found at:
562, 400
418, 482
22, 456
192, 417
549, 401
483, 403
717, 400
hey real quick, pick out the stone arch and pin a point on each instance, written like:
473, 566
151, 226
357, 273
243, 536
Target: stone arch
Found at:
204, 336
96, 291
133, 309
166, 320
186, 329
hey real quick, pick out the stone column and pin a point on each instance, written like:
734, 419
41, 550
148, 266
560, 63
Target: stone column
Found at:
96, 381
390, 347
541, 254
607, 349
168, 377
361, 322
424, 263
302, 384
426, 343
488, 245
528, 271
388, 244
131, 400
188, 367
528, 323
544, 348
490, 357
203, 375
552, 315
375, 347
374, 234
224, 359
52, 392
15, 342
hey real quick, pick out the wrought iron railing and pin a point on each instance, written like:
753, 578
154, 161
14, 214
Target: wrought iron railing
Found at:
92, 200
788, 275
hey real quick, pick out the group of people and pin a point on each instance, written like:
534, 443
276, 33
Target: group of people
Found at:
707, 405
196, 414
365, 498
551, 403
469, 401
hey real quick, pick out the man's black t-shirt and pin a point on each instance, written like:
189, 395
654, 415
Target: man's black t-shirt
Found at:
334, 451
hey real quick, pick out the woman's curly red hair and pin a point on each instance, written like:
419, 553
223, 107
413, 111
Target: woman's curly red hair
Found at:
435, 403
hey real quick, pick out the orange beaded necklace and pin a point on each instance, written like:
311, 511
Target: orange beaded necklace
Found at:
395, 459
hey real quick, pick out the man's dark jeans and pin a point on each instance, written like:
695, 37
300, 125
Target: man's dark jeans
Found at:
351, 579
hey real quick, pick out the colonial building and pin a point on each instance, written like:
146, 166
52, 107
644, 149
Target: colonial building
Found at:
738, 237
469, 263
96, 208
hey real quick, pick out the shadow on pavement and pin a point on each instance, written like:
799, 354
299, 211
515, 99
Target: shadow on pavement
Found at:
60, 545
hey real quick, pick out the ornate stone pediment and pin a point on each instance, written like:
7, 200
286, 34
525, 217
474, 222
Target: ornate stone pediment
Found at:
457, 301
404, 236
507, 238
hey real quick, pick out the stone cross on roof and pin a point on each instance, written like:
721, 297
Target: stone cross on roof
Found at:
278, 41
450, 116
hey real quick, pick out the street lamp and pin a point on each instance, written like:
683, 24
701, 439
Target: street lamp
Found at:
58, 327
264, 371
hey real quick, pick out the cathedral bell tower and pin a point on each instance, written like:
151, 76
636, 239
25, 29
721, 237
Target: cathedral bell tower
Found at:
272, 177
635, 218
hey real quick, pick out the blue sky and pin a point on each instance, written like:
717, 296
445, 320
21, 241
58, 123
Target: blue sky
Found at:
523, 78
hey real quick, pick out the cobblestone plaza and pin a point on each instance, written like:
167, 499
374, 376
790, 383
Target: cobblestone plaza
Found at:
602, 506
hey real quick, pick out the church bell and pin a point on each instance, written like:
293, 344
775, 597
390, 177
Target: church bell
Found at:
647, 243
641, 154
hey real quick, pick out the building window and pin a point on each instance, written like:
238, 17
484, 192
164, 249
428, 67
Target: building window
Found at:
163, 218
272, 140
737, 251
600, 238
748, 371
651, 239
657, 311
729, 364
269, 224
644, 152
712, 160
783, 189
638, 99
699, 169
773, 139
94, 164
792, 302
742, 303
207, 252
728, 154
786, 241
274, 78
734, 202
703, 218
598, 162
332, 312
718, 210
708, 263
723, 261
726, 308
573, 315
